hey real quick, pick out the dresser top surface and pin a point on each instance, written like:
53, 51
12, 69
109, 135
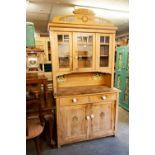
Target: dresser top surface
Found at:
82, 90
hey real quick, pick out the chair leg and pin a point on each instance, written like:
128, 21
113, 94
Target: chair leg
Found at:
37, 145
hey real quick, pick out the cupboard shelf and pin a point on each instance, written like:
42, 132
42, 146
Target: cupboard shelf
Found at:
45, 58
84, 56
104, 55
104, 43
64, 57
84, 43
63, 43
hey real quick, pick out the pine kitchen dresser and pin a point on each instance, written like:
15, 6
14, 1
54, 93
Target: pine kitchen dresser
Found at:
83, 51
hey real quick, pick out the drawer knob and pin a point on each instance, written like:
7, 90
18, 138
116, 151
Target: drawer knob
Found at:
92, 116
74, 100
103, 97
87, 117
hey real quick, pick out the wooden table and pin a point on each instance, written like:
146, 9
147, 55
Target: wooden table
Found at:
41, 79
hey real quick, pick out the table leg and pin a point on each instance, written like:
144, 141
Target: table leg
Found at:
45, 93
52, 143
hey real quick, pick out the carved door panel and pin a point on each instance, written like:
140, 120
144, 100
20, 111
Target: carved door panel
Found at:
102, 116
119, 83
73, 123
122, 55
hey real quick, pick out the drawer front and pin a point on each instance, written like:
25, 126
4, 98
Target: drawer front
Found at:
74, 100
103, 97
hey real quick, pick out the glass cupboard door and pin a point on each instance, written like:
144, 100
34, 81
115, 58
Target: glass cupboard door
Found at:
84, 51
64, 48
103, 51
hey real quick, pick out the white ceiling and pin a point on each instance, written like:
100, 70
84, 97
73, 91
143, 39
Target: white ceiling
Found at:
40, 12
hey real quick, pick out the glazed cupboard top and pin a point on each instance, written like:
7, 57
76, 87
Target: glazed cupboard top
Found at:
82, 43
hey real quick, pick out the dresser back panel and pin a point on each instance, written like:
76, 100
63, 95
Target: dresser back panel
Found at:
84, 79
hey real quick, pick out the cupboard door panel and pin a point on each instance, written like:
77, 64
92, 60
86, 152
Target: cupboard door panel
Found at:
73, 123
122, 75
84, 51
122, 61
104, 51
64, 51
102, 115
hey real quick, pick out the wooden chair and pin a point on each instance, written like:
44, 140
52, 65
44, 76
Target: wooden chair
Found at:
34, 125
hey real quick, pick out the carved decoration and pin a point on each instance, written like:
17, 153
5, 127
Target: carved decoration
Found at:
84, 12
97, 76
127, 68
68, 18
75, 119
120, 65
119, 81
102, 114
82, 16
126, 96
61, 79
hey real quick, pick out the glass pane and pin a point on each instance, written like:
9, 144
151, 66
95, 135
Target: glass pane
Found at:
104, 51
63, 51
47, 68
66, 38
79, 39
85, 51
60, 38
90, 39
85, 39
104, 39
104, 55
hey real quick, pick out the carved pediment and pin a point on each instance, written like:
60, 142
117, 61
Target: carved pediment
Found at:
82, 16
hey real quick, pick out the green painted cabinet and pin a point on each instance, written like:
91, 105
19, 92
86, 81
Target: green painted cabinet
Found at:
122, 75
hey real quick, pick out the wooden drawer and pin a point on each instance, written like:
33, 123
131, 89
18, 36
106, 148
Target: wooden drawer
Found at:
102, 97
74, 100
